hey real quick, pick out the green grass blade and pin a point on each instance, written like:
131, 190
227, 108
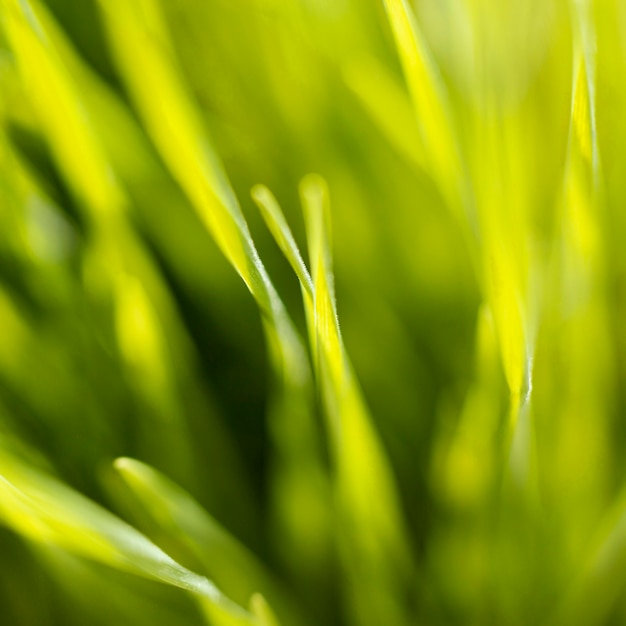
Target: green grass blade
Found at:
277, 224
302, 491
183, 520
45, 510
145, 57
588, 391
430, 105
66, 123
374, 530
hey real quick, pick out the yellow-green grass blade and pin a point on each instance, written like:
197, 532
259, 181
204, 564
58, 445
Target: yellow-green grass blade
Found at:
277, 225
499, 270
44, 510
581, 432
66, 123
496, 244
300, 480
185, 522
583, 175
504, 259
145, 57
146, 60
587, 392
372, 531
430, 104
154, 345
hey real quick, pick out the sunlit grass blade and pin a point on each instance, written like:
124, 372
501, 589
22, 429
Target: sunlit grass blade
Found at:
183, 521
431, 107
301, 485
28, 29
141, 43
373, 530
588, 392
145, 57
506, 300
276, 222
583, 175
118, 268
499, 270
43, 509
146, 60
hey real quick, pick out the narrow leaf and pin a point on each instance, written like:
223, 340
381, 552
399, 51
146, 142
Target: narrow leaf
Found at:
43, 509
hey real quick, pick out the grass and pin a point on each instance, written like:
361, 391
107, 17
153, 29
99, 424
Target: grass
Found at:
312, 312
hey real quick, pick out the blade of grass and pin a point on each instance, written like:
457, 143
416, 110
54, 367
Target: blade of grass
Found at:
145, 57
371, 532
146, 60
277, 225
588, 390
496, 267
44, 510
81, 160
301, 479
118, 267
431, 107
182, 519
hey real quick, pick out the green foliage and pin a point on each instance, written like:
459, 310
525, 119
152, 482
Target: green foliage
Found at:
418, 419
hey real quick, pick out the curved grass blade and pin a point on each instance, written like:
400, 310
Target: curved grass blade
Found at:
430, 105
277, 225
155, 348
587, 393
183, 520
146, 59
44, 510
374, 530
301, 480
371, 532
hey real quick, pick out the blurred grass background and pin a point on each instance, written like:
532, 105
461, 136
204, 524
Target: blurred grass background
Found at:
467, 212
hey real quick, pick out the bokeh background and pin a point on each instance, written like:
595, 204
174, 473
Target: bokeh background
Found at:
474, 154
